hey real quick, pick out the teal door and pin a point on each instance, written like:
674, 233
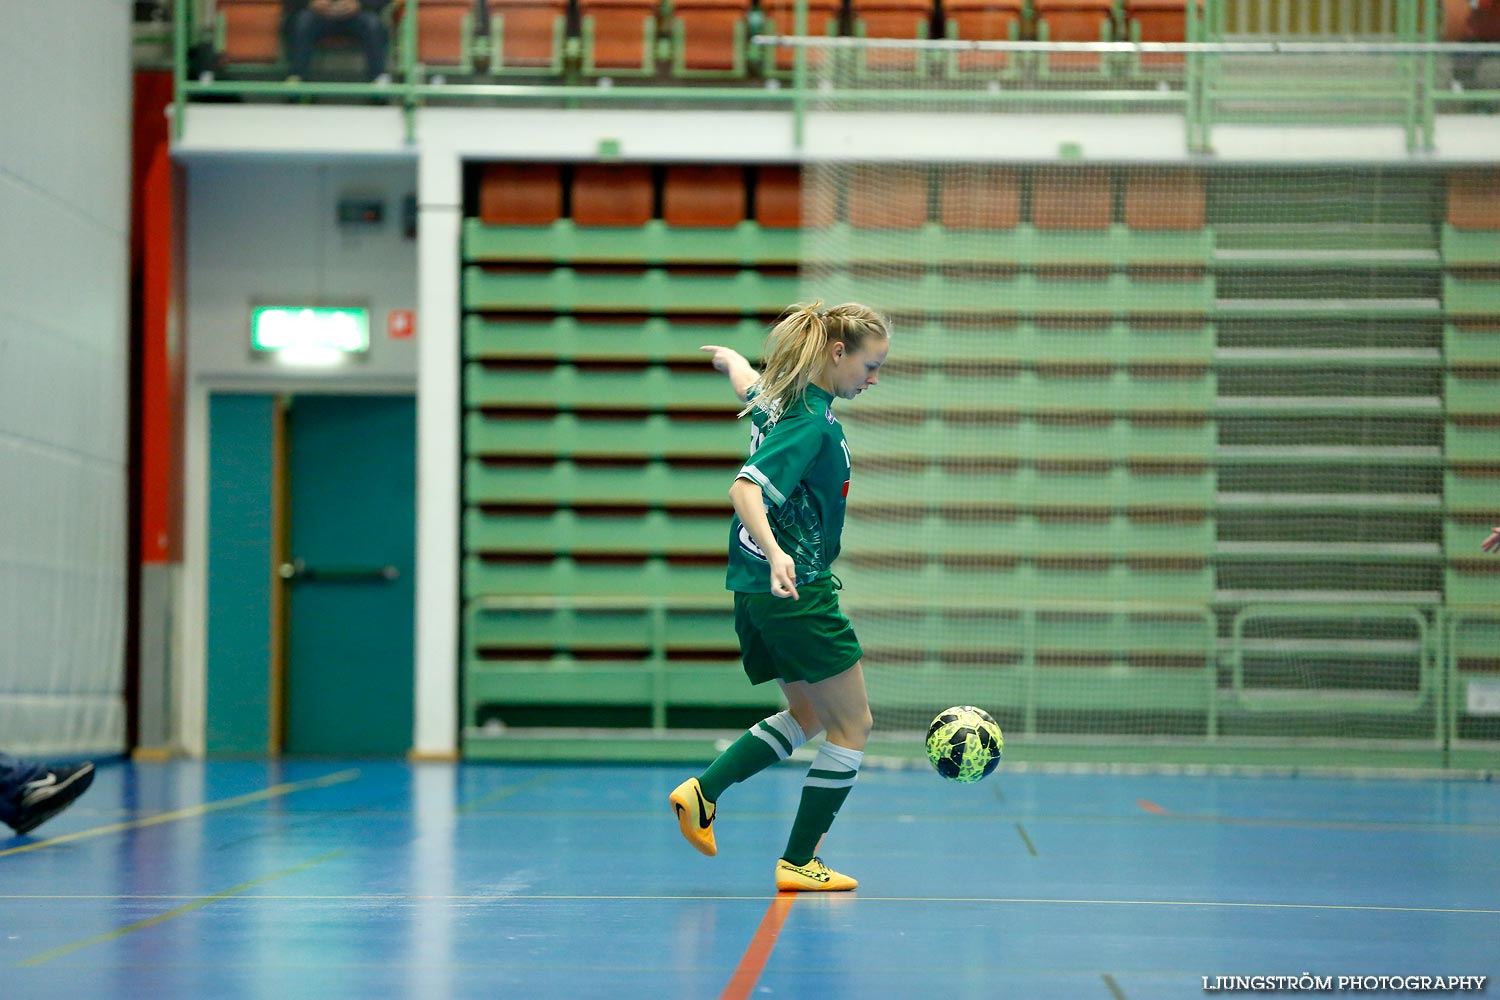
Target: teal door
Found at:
351, 548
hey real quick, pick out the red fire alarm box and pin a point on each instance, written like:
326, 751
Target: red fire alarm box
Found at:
400, 324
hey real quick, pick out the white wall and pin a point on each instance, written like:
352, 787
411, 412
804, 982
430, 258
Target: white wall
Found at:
265, 232
64, 320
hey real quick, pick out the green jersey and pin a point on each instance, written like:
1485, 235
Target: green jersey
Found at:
800, 461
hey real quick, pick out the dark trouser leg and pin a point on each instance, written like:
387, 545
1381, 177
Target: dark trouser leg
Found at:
367, 27
301, 36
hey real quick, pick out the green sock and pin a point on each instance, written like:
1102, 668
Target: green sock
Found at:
766, 742
828, 783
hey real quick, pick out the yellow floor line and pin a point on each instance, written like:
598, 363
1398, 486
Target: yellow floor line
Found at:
196, 904
504, 793
274, 791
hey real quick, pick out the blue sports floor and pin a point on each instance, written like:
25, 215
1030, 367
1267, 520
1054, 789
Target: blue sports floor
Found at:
335, 880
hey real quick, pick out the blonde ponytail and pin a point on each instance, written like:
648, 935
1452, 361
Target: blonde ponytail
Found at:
794, 352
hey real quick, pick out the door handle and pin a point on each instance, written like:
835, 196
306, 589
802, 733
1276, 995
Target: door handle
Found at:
298, 569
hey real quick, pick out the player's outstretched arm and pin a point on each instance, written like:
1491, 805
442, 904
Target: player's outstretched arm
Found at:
742, 374
1492, 543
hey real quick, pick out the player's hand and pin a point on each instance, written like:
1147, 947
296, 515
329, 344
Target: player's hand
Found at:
783, 575
723, 357
1492, 543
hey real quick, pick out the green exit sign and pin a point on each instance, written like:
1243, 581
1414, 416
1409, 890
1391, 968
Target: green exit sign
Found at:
310, 330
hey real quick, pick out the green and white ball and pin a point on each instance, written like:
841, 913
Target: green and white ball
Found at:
964, 743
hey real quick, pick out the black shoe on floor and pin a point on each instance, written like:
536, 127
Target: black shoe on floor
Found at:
51, 794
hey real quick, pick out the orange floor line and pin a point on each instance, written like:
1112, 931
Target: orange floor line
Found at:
742, 983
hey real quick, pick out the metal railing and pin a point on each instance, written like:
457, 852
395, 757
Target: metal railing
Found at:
1403, 87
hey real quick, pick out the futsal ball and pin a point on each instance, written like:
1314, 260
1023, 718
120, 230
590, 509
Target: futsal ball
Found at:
964, 743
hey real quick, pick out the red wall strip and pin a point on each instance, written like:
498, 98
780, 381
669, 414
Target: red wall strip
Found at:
152, 254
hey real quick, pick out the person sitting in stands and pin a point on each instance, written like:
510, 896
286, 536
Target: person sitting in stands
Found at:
308, 22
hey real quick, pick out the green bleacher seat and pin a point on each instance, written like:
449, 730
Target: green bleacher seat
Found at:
1469, 247
568, 338
570, 387
568, 435
1477, 443
1026, 536
541, 631
655, 243
568, 483
582, 577
1461, 536
1475, 393
702, 630
1473, 581
584, 628
1105, 342
492, 686
567, 532
634, 290
1104, 487
958, 581
1023, 438
1005, 634
1063, 389
1026, 246
1469, 297
1063, 293
1478, 344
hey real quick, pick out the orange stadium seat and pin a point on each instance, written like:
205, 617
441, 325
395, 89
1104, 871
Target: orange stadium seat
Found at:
886, 198
1456, 20
612, 195
1071, 198
979, 198
1164, 199
1466, 21
520, 194
781, 19
1159, 21
1474, 199
250, 31
624, 34
1073, 21
444, 30
891, 19
984, 21
706, 196
526, 33
709, 39
1484, 21
778, 201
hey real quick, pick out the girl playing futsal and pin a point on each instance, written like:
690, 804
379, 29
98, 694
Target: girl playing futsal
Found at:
789, 514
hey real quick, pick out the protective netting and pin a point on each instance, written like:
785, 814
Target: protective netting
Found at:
1159, 452
64, 394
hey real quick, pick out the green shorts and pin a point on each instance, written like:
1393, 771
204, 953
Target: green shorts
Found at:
808, 639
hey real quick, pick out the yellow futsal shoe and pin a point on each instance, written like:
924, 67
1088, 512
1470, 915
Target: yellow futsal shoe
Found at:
814, 876
695, 815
